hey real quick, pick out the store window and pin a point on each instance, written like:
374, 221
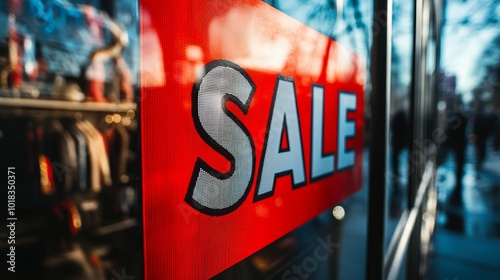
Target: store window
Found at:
199, 139
399, 164
69, 139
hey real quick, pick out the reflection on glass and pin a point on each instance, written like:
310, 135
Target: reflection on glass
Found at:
152, 69
347, 22
399, 129
468, 173
468, 177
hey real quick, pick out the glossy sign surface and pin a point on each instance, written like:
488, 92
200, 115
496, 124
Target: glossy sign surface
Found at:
252, 124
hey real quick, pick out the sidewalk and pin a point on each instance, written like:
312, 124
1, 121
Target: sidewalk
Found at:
456, 256
467, 236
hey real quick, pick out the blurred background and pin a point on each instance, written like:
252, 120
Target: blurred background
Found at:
467, 237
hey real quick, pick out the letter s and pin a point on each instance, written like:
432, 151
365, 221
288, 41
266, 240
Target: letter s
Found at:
210, 191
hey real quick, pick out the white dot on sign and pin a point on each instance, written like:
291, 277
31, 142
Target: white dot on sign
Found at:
338, 212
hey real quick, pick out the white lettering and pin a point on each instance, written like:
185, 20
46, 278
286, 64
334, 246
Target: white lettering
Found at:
347, 102
275, 163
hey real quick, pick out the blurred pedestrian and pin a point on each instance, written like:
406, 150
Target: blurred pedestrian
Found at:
483, 126
457, 142
399, 142
496, 135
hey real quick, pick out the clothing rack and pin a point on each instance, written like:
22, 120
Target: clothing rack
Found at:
69, 126
104, 222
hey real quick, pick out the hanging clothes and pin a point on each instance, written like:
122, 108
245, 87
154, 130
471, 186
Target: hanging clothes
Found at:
95, 182
119, 143
82, 182
68, 159
99, 162
103, 159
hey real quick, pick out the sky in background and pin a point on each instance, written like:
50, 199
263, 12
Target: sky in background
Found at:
464, 44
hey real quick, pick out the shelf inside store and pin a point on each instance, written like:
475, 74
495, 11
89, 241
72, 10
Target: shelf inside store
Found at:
116, 227
61, 105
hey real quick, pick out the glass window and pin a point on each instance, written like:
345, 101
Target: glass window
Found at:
399, 129
69, 139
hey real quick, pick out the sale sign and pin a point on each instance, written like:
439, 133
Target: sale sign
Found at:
252, 124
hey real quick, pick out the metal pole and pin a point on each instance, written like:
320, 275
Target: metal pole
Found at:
380, 69
415, 115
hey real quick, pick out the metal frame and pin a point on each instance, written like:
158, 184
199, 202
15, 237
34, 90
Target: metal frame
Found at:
380, 104
406, 238
412, 221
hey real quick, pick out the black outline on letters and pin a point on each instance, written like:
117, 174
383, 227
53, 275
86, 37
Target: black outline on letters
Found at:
258, 197
311, 178
285, 130
200, 163
347, 138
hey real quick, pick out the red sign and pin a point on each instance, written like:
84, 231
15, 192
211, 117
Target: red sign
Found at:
252, 124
